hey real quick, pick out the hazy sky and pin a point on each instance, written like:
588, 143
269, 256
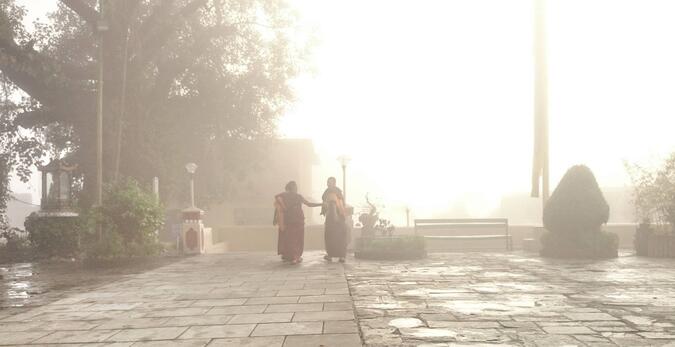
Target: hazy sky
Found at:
433, 99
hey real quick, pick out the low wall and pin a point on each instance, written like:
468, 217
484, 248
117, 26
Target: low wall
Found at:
264, 238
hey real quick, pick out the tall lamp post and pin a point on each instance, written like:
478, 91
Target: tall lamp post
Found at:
101, 28
191, 169
344, 160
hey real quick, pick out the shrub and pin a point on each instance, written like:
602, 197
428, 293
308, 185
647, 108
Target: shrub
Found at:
574, 216
130, 218
54, 236
14, 245
654, 194
577, 204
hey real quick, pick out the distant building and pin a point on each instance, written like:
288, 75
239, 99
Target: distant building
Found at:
19, 207
251, 199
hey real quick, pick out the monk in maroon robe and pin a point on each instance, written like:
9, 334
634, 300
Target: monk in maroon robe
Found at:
291, 221
336, 235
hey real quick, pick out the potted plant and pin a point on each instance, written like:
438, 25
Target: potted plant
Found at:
654, 200
378, 241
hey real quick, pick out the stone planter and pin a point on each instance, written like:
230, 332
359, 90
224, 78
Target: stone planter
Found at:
390, 248
641, 240
651, 243
661, 245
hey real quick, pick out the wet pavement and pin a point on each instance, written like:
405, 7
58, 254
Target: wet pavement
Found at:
515, 299
231, 299
36, 284
452, 299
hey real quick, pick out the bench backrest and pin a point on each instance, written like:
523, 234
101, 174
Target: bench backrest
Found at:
461, 223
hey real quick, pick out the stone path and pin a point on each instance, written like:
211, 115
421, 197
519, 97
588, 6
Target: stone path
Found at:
454, 299
219, 300
515, 300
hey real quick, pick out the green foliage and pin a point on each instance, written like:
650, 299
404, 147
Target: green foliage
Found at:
54, 236
397, 247
200, 75
577, 204
130, 217
14, 245
654, 193
574, 216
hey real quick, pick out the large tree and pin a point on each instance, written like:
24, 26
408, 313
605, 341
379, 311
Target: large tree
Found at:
182, 80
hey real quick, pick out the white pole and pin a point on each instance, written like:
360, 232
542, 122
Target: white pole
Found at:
192, 191
155, 187
541, 91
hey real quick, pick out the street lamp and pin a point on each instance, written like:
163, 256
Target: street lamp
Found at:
191, 169
344, 160
101, 28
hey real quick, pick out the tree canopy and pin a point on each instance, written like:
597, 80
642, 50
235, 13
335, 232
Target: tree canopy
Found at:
183, 79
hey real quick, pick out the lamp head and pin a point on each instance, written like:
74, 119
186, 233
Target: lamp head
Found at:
191, 168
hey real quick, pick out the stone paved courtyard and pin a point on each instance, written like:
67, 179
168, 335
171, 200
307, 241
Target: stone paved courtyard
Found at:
453, 299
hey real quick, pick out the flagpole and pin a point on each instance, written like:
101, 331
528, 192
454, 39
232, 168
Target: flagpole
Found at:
541, 160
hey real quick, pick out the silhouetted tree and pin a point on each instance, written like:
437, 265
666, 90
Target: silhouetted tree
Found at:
181, 77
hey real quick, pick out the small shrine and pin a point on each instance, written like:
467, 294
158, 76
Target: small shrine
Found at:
57, 196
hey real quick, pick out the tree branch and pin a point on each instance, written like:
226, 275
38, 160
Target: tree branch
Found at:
25, 68
83, 10
152, 43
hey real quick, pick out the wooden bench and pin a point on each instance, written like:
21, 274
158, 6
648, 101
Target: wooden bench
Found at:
465, 223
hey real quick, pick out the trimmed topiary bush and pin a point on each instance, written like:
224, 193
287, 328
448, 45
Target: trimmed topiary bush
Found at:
573, 218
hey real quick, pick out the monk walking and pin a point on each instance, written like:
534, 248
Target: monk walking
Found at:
290, 218
335, 228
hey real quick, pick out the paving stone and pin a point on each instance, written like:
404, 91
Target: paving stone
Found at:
218, 331
295, 328
177, 343
403, 323
232, 310
301, 292
112, 307
273, 300
272, 341
83, 336
326, 340
590, 316
338, 306
323, 316
165, 304
18, 327
325, 298
294, 308
218, 302
657, 335
147, 334
177, 312
567, 330
187, 321
261, 318
464, 324
15, 338
59, 316
340, 327
133, 323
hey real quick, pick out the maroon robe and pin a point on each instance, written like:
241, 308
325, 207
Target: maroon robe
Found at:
291, 220
335, 228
